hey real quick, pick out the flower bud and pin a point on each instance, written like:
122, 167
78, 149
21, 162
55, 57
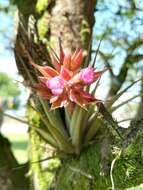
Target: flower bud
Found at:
87, 75
56, 85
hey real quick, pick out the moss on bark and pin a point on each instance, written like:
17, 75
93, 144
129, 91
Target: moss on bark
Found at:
84, 173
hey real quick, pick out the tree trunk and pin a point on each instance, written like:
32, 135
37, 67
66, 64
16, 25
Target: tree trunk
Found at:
73, 22
12, 176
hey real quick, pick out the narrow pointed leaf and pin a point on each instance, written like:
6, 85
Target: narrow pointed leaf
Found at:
46, 71
65, 73
76, 60
53, 117
67, 61
62, 141
97, 51
62, 54
77, 131
60, 137
76, 127
95, 125
47, 137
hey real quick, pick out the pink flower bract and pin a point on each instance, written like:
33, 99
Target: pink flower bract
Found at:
87, 75
56, 85
64, 84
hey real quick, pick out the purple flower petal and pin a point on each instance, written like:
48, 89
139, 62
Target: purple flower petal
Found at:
87, 75
56, 85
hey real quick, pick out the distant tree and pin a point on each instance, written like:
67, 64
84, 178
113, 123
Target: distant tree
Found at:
7, 86
9, 179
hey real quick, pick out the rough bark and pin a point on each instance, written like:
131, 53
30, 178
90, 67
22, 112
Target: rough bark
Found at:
139, 114
140, 109
77, 21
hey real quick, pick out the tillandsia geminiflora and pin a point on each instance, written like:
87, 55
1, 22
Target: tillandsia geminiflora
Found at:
65, 85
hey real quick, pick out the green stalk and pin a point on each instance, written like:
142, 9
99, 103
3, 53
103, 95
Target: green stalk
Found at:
95, 125
73, 119
67, 118
76, 128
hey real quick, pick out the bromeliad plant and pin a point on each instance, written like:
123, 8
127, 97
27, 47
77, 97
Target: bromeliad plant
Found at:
64, 88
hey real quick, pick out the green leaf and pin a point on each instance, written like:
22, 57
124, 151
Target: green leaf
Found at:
53, 117
76, 127
62, 141
95, 125
46, 136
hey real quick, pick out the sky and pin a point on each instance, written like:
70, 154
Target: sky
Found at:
7, 62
